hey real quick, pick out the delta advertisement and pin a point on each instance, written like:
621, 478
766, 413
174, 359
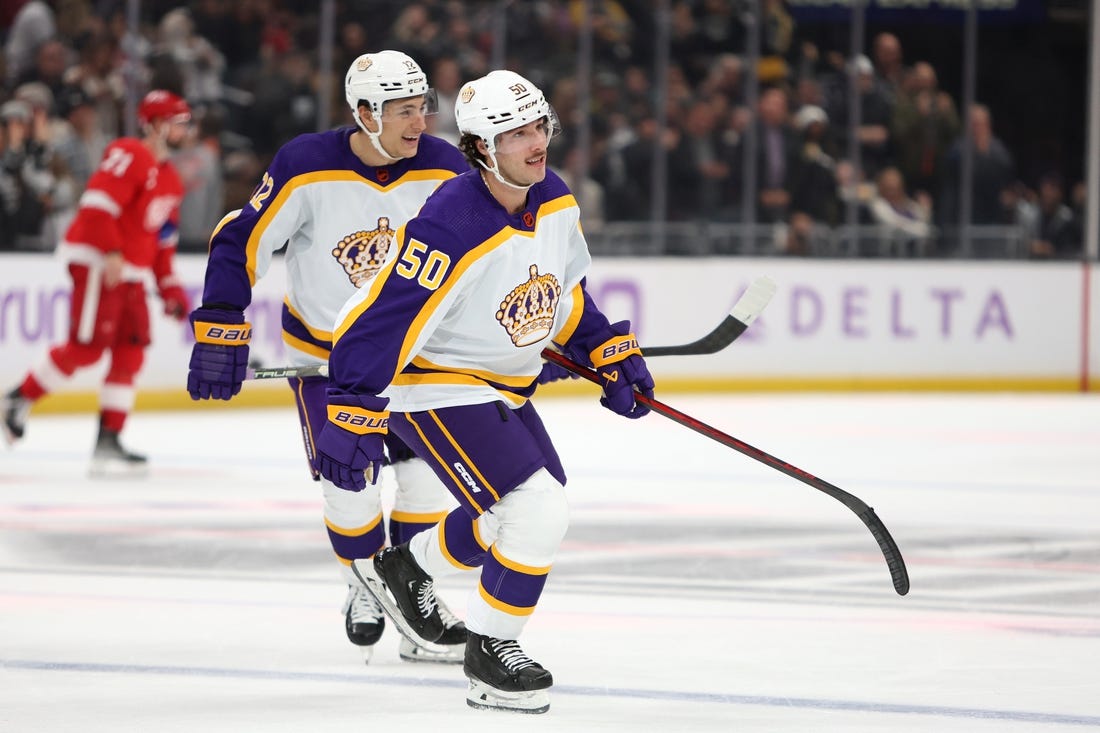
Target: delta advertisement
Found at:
832, 324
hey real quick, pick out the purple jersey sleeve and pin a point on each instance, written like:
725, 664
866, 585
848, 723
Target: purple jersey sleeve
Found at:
230, 267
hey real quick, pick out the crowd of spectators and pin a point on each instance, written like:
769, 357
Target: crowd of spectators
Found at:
250, 70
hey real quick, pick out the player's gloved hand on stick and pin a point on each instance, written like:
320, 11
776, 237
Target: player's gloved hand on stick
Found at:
620, 367
219, 358
174, 297
350, 447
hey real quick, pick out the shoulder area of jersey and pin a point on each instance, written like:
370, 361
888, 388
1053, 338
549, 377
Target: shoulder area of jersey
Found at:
312, 151
435, 152
552, 186
453, 197
133, 146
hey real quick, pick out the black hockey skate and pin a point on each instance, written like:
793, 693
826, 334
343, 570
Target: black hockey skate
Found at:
364, 621
110, 459
14, 408
503, 677
448, 649
405, 591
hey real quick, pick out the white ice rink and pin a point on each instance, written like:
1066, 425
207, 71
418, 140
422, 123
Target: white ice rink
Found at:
696, 590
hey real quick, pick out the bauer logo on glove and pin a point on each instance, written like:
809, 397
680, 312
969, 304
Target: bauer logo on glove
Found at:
360, 422
219, 333
614, 350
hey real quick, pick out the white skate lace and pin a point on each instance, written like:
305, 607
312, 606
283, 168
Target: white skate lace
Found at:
425, 600
362, 606
448, 618
508, 651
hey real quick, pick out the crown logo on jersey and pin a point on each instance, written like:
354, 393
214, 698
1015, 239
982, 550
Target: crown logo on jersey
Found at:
527, 313
363, 253
466, 94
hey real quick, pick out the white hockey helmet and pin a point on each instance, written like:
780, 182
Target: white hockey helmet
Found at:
376, 78
501, 101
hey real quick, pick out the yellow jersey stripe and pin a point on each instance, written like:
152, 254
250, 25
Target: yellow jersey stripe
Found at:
356, 531
502, 606
462, 453
518, 567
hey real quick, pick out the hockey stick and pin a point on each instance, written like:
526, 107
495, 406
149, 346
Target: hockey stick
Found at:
890, 551
747, 308
744, 312
314, 370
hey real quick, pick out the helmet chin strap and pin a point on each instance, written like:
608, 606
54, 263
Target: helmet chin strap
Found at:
495, 170
373, 137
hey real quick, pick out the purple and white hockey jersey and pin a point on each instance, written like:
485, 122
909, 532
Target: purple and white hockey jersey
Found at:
338, 218
463, 312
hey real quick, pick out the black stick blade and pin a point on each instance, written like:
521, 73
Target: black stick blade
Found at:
890, 551
746, 310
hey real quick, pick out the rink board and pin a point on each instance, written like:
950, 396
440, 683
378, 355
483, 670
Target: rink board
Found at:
833, 325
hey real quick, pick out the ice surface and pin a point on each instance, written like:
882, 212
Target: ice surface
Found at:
696, 590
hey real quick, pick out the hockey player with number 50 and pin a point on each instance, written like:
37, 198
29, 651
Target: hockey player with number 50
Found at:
335, 199
123, 236
443, 349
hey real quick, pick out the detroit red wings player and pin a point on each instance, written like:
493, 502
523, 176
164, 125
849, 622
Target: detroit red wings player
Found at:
124, 235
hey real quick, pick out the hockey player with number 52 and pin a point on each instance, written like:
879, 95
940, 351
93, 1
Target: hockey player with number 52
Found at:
443, 348
124, 234
335, 199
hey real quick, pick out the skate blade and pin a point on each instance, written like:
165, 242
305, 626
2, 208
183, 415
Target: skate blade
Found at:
365, 572
111, 468
423, 651
367, 652
484, 697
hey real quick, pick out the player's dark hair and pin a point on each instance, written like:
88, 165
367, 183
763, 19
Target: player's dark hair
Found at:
468, 145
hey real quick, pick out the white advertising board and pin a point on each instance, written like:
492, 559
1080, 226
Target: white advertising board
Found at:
859, 319
833, 323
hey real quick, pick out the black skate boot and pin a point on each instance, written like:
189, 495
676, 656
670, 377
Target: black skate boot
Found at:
14, 408
364, 621
503, 677
406, 592
448, 649
110, 459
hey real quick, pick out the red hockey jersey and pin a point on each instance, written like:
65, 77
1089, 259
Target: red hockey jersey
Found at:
130, 205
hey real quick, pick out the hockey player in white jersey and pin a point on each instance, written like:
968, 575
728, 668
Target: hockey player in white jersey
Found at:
335, 199
443, 348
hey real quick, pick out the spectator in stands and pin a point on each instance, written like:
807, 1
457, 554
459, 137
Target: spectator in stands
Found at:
1058, 232
814, 188
588, 192
286, 102
33, 25
924, 126
446, 79
199, 165
888, 61
27, 176
701, 145
80, 141
99, 76
199, 63
876, 115
777, 146
907, 220
51, 58
776, 42
994, 172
